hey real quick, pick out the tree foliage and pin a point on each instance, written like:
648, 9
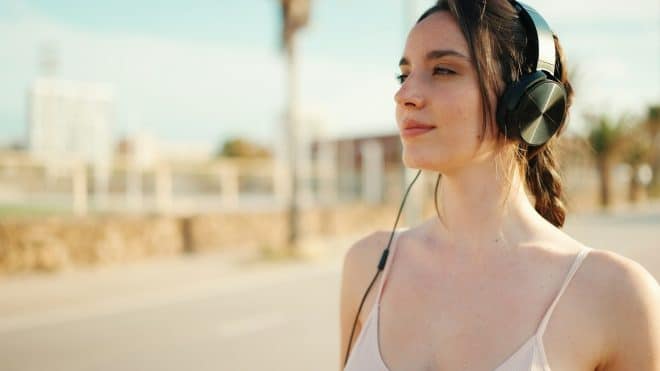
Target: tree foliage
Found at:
295, 15
607, 136
239, 147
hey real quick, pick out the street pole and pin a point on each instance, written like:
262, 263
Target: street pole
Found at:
295, 15
292, 145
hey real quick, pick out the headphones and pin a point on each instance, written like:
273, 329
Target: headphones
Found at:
531, 109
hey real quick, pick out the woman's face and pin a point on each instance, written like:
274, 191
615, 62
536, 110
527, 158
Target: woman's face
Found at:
440, 89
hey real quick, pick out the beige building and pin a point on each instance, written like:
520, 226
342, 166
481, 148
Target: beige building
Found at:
70, 121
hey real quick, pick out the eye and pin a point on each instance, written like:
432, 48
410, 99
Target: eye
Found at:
442, 71
436, 71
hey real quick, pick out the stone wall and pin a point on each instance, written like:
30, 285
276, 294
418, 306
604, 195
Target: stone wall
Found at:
51, 244
59, 243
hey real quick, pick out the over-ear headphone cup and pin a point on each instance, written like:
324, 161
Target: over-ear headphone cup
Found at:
510, 100
532, 109
541, 110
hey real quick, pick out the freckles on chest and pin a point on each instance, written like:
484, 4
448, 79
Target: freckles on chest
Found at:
423, 297
426, 322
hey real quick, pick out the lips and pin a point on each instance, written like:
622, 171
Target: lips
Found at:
412, 128
412, 124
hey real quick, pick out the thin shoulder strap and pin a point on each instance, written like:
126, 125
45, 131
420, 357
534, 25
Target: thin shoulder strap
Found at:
388, 264
576, 264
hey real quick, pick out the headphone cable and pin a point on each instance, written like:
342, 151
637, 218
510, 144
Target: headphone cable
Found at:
381, 264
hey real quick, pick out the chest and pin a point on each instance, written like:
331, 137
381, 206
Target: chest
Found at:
431, 321
464, 326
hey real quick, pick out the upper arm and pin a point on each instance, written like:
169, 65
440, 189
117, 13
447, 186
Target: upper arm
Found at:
358, 269
634, 318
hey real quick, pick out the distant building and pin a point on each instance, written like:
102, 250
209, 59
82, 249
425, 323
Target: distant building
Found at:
366, 167
70, 120
350, 154
140, 150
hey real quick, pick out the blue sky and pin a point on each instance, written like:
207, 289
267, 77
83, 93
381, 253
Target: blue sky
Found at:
199, 72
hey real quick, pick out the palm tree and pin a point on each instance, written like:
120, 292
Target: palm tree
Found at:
652, 125
294, 15
607, 137
637, 151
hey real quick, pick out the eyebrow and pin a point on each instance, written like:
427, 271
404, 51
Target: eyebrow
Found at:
435, 54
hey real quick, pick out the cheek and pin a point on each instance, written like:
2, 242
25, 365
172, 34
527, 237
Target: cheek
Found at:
459, 111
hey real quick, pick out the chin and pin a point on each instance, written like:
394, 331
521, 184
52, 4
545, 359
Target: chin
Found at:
435, 161
418, 161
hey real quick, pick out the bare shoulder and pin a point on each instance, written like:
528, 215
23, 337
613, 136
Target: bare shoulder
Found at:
366, 245
361, 259
628, 299
626, 281
359, 267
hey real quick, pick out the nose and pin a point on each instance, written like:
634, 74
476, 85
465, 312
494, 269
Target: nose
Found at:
409, 95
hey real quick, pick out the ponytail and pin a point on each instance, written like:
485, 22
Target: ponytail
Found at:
544, 182
542, 170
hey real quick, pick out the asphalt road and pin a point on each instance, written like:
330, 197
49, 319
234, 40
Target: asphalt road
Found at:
196, 314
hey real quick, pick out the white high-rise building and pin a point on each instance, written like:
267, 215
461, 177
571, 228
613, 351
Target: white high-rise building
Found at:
70, 121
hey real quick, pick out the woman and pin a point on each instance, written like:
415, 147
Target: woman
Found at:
491, 283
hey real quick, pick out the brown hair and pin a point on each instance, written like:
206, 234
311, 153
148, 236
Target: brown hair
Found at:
498, 44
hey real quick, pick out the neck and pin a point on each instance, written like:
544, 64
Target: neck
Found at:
480, 209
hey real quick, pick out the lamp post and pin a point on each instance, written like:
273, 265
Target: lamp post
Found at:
294, 15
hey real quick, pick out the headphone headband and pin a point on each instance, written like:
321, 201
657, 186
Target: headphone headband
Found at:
533, 108
540, 34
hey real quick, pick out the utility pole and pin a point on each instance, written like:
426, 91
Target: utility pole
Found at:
295, 15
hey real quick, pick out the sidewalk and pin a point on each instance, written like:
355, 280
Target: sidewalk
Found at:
40, 299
